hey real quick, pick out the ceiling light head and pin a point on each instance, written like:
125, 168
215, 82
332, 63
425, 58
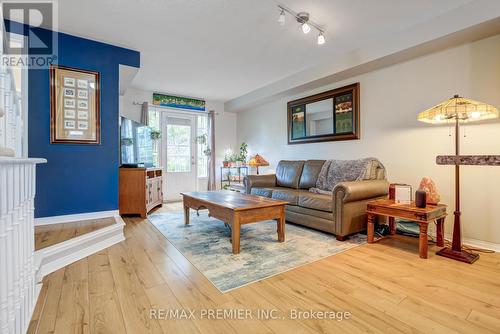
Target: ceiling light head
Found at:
303, 18
305, 28
321, 39
281, 19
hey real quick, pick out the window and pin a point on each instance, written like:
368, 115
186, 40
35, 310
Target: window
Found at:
144, 144
178, 148
202, 145
154, 123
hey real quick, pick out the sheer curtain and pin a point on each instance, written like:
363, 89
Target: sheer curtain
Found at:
211, 145
145, 113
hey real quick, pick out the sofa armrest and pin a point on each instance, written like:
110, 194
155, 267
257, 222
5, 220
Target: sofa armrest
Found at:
361, 190
267, 180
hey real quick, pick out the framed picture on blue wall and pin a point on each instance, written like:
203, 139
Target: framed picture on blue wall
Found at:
74, 92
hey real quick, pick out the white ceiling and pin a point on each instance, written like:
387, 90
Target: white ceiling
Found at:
222, 49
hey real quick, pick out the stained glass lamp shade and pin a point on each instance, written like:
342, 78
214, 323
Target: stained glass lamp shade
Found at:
458, 108
257, 161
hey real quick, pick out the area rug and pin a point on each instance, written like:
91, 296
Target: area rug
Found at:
206, 243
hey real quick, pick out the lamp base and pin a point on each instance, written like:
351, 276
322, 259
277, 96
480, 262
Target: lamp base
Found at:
459, 256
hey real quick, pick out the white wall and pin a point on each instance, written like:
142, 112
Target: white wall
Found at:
391, 98
225, 122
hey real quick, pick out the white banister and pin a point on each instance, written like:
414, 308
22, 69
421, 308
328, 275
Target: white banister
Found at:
17, 266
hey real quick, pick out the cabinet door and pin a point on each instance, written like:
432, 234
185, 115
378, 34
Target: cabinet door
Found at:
154, 190
160, 190
148, 191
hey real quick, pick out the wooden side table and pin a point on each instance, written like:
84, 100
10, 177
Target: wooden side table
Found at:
423, 216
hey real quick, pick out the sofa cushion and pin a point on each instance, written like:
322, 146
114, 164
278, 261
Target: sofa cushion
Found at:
288, 195
264, 192
310, 173
316, 201
288, 173
310, 212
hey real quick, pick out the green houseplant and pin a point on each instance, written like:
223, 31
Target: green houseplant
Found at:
242, 156
155, 135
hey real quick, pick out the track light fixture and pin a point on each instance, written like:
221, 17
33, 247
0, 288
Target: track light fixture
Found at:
304, 21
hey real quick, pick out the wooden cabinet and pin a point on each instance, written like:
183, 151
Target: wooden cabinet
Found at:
141, 189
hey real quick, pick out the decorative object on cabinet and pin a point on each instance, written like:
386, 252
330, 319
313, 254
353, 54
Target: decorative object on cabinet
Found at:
140, 190
328, 116
74, 106
258, 161
231, 178
456, 111
432, 194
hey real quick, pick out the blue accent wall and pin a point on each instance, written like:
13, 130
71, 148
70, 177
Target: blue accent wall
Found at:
78, 178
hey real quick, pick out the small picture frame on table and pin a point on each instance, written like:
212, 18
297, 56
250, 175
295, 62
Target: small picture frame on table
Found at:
74, 93
403, 194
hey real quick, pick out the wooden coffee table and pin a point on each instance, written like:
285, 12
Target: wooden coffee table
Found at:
236, 209
423, 216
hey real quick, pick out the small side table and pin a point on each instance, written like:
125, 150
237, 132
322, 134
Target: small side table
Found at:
423, 216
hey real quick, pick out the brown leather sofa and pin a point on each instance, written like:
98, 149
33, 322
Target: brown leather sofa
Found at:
342, 213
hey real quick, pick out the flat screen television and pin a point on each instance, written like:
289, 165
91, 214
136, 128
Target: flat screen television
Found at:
136, 145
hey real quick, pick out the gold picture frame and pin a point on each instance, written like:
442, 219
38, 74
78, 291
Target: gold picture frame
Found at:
75, 116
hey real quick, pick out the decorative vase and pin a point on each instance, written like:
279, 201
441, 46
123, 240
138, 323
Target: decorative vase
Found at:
430, 188
420, 198
225, 164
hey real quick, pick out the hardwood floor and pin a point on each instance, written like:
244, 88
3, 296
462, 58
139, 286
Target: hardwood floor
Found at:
48, 235
385, 286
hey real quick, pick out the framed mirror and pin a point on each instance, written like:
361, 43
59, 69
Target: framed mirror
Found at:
328, 116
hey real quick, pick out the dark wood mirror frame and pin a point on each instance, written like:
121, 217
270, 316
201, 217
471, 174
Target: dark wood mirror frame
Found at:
331, 94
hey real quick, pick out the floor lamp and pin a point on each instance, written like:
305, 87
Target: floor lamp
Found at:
458, 110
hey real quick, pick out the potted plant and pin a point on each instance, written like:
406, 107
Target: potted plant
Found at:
242, 158
155, 136
202, 139
232, 159
227, 157
127, 141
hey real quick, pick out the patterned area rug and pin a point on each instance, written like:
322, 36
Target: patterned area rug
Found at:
206, 243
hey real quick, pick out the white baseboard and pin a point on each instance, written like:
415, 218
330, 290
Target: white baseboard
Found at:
475, 243
75, 217
62, 254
